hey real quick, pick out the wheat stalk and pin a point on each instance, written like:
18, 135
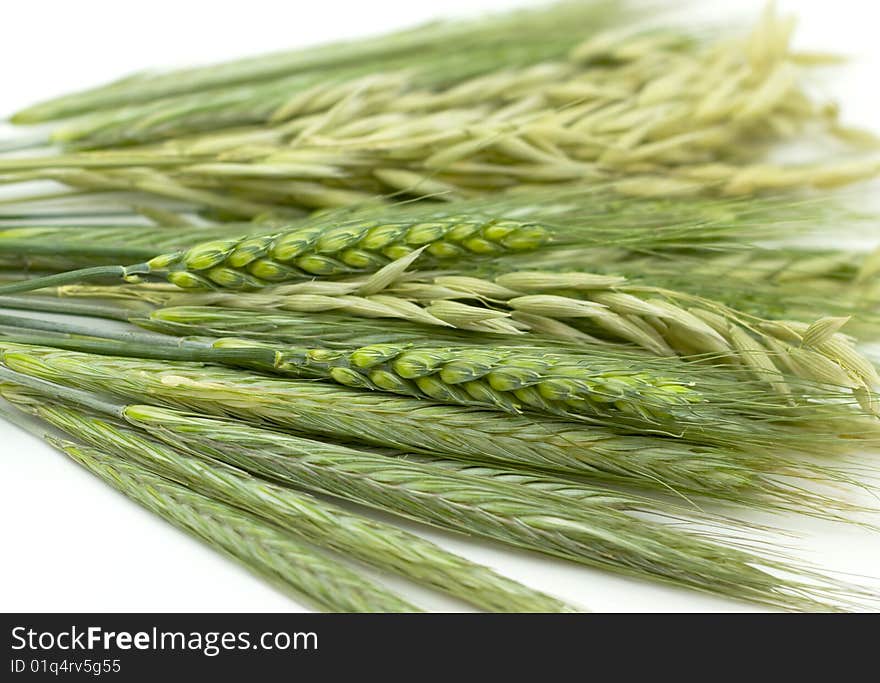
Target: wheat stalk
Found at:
648, 241
502, 379
590, 534
312, 100
539, 33
779, 283
592, 226
665, 322
410, 425
589, 384
783, 282
75, 246
594, 383
263, 548
329, 525
23, 389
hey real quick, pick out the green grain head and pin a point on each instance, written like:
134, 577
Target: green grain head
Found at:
328, 250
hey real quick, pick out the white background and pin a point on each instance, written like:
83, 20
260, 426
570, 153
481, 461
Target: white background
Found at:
69, 543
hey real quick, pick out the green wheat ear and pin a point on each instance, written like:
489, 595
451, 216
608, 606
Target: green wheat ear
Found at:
506, 380
742, 466
594, 532
591, 533
315, 251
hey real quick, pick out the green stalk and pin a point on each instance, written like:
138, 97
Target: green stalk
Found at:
497, 378
787, 282
553, 381
89, 245
186, 471
594, 388
286, 507
667, 322
566, 22
303, 96
699, 238
594, 384
263, 548
411, 425
109, 310
591, 533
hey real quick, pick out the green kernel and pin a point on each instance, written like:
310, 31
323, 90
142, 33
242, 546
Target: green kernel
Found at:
458, 371
350, 378
338, 239
480, 392
512, 378
530, 396
414, 364
380, 237
187, 280
321, 265
323, 355
388, 381
558, 389
396, 251
424, 233
526, 238
361, 260
165, 261
292, 244
375, 354
498, 231
271, 271
234, 279
434, 388
478, 245
248, 251
444, 250
462, 231
208, 254
483, 393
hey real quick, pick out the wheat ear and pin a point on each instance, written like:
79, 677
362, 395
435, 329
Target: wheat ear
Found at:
408, 425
